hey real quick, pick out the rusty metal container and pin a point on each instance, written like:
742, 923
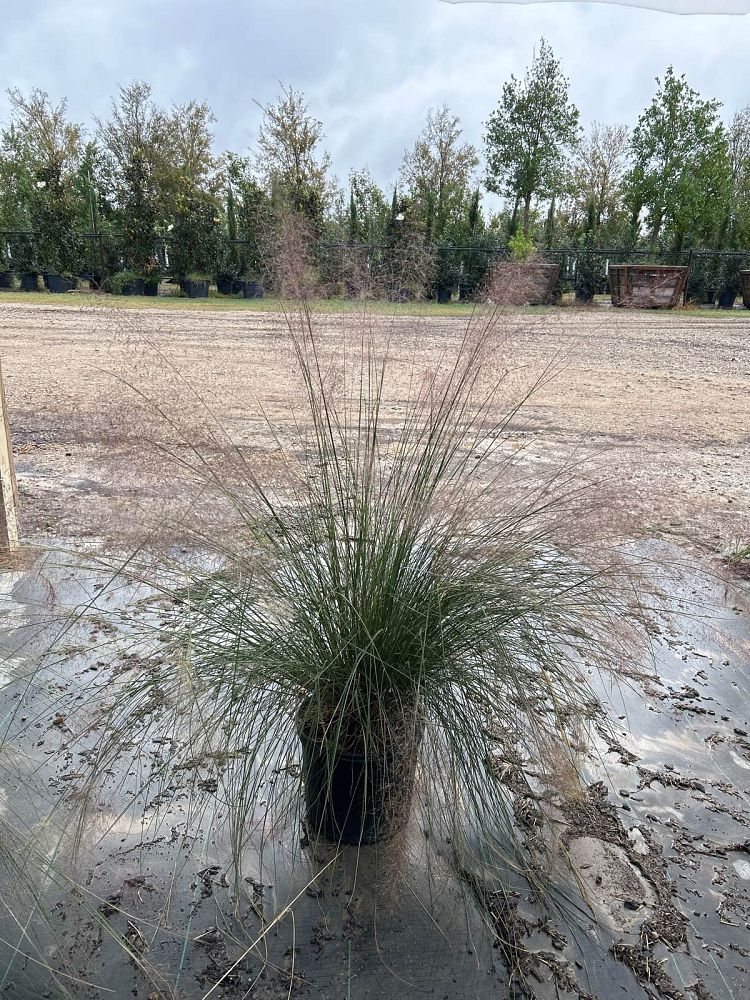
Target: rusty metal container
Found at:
647, 286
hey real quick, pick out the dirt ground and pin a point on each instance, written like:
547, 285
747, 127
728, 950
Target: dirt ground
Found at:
657, 403
106, 407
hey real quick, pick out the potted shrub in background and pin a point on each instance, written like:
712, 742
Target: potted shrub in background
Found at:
127, 283
25, 261
382, 614
703, 281
729, 281
195, 245
589, 271
252, 287
53, 217
745, 288
6, 271
526, 279
228, 272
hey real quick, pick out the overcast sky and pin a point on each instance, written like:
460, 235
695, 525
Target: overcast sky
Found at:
370, 68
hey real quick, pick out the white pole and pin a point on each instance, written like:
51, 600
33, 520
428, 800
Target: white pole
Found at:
8, 487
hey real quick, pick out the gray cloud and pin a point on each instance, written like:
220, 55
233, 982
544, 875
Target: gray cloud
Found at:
369, 69
669, 6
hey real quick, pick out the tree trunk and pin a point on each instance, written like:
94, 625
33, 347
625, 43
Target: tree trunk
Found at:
526, 214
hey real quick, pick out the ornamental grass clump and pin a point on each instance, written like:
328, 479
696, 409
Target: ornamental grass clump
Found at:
412, 602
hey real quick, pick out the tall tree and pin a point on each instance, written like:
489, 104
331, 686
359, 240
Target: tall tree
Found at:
48, 147
290, 158
527, 133
371, 206
252, 209
596, 180
680, 164
189, 138
438, 171
134, 142
739, 164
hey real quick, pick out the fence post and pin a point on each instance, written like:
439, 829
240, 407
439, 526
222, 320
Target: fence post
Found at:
8, 487
687, 282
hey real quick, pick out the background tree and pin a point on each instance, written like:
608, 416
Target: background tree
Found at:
438, 172
596, 181
193, 169
47, 147
527, 133
137, 161
252, 207
370, 206
680, 165
290, 159
739, 166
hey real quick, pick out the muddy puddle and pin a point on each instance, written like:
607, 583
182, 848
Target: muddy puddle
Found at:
130, 892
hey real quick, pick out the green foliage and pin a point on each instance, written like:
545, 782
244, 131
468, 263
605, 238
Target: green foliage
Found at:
437, 173
122, 279
594, 185
137, 161
46, 147
371, 206
525, 136
590, 275
290, 160
521, 246
253, 213
681, 171
392, 606
195, 243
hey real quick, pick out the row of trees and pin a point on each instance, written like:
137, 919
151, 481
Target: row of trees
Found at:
147, 176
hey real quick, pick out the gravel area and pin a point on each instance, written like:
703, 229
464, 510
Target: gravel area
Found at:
658, 403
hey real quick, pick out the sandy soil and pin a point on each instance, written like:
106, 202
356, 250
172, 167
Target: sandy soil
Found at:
102, 402
660, 401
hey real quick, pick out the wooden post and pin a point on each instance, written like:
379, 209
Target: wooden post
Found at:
8, 487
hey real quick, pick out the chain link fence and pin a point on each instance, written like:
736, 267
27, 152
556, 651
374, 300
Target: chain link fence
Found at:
400, 272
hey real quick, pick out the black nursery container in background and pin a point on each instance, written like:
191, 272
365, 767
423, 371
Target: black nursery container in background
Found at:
195, 288
30, 282
57, 284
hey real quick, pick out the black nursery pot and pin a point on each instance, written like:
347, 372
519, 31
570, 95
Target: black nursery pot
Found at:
353, 798
726, 300
57, 284
225, 286
444, 294
252, 290
151, 286
195, 289
30, 282
6, 279
135, 287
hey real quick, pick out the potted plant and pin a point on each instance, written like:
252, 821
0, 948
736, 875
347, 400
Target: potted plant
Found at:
729, 282
228, 273
195, 245
384, 621
25, 257
252, 287
589, 272
53, 217
525, 279
127, 283
195, 285
745, 288
703, 280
